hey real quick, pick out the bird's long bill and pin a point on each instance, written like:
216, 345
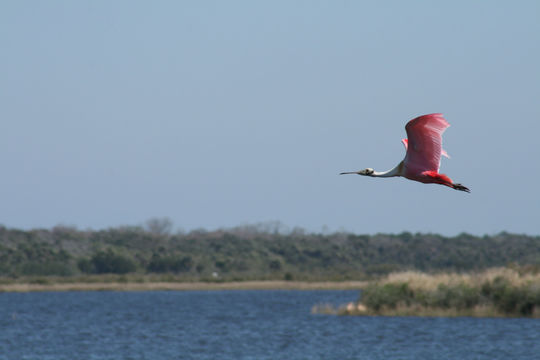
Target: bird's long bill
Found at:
349, 172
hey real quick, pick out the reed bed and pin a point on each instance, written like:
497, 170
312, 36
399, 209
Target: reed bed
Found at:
429, 282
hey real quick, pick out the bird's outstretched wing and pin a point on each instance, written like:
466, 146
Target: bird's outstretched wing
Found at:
424, 143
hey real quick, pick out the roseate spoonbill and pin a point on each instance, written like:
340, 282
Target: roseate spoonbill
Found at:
423, 156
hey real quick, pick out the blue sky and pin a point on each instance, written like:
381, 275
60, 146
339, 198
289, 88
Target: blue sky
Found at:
223, 113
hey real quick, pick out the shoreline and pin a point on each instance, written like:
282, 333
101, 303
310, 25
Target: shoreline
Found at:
184, 286
359, 309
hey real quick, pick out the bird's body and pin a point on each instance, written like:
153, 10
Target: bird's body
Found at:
423, 157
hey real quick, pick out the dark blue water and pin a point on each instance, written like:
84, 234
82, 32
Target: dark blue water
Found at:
241, 325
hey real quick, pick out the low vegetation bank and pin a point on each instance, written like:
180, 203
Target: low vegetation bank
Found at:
501, 292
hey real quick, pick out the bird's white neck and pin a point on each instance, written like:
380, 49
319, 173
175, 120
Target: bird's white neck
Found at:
397, 171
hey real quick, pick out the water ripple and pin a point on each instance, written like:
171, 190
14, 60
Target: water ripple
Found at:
241, 325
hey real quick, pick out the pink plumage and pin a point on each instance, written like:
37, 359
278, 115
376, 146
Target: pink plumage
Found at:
423, 157
424, 145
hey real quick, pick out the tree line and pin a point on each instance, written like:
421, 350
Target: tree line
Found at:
253, 252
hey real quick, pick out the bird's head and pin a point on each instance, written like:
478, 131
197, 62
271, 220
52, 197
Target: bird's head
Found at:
365, 172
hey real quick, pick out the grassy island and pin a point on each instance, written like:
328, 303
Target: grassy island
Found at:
500, 292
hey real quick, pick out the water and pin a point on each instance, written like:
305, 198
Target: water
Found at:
241, 325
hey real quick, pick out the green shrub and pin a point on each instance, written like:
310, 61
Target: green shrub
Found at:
390, 296
110, 263
459, 296
46, 269
288, 276
511, 299
86, 266
175, 264
275, 265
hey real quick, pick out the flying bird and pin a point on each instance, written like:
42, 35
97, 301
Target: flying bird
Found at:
423, 157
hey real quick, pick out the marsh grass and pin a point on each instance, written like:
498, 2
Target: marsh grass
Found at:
499, 292
428, 282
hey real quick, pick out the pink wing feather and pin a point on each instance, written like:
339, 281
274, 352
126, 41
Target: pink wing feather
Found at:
406, 144
424, 143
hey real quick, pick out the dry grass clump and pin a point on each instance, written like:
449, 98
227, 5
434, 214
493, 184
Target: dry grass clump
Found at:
429, 282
